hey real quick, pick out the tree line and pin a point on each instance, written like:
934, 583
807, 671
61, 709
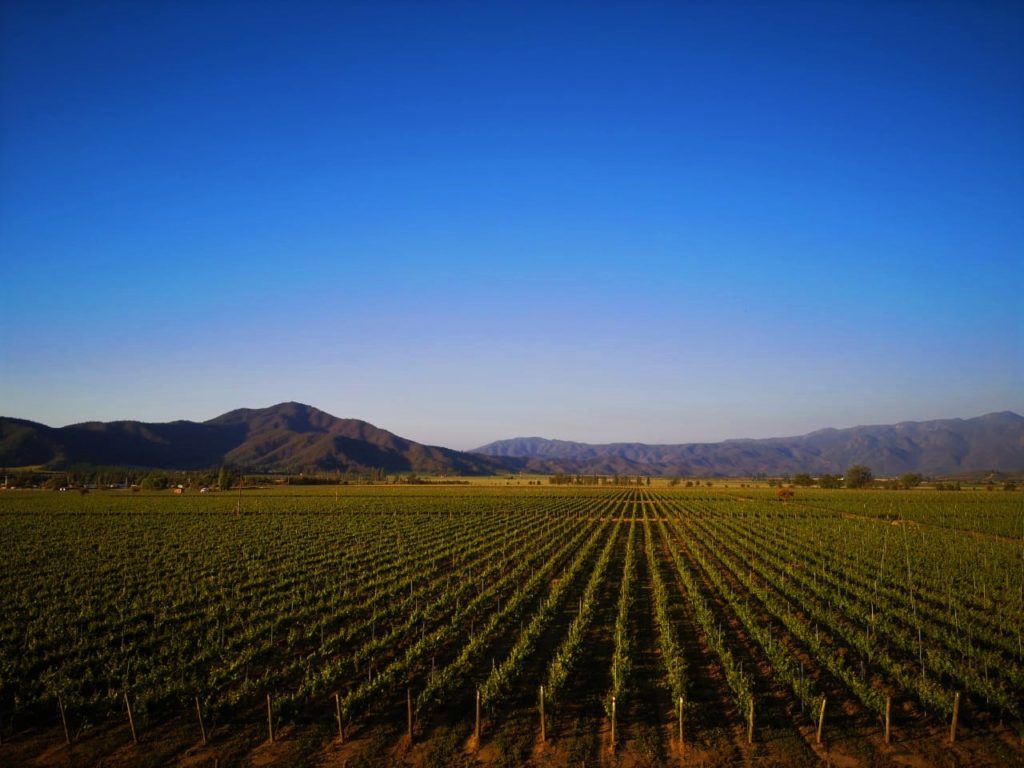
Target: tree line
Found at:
223, 478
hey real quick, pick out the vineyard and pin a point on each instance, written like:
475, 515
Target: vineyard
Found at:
475, 625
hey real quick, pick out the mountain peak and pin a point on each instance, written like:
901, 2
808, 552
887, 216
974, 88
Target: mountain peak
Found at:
292, 416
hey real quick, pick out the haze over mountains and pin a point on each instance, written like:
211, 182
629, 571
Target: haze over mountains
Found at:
947, 446
291, 437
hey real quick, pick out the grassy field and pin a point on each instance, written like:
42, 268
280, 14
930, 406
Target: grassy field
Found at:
644, 612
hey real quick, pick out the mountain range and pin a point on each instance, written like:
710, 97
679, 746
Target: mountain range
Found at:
288, 437
946, 446
292, 437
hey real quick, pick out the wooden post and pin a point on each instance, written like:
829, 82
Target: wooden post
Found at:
888, 713
270, 720
131, 720
956, 716
612, 722
63, 720
408, 709
199, 714
543, 731
821, 719
337, 715
682, 743
750, 722
477, 729
802, 692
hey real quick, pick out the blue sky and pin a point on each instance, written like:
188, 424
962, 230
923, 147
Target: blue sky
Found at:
663, 222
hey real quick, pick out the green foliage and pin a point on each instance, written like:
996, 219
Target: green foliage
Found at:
859, 476
860, 601
910, 479
155, 482
830, 481
567, 657
445, 749
306, 592
622, 657
506, 674
668, 642
513, 747
803, 479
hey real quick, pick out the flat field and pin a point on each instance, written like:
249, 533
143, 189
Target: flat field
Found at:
710, 626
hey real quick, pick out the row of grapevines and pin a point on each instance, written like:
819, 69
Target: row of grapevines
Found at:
880, 634
622, 664
928, 692
738, 681
355, 701
782, 662
443, 681
506, 674
567, 656
668, 641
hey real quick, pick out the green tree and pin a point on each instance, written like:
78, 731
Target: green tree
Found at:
830, 481
859, 476
155, 482
224, 479
910, 479
802, 478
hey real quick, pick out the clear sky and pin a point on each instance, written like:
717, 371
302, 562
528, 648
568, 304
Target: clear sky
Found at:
663, 222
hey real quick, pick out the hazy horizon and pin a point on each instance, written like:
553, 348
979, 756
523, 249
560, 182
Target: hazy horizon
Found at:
642, 222
595, 441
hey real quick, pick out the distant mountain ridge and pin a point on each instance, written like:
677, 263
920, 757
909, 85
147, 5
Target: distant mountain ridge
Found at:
292, 437
288, 437
994, 441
